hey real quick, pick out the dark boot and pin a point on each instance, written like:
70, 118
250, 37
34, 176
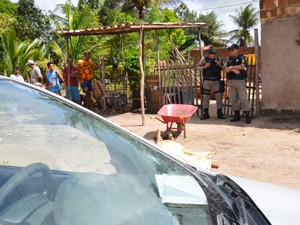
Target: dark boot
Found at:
248, 119
220, 114
205, 115
236, 116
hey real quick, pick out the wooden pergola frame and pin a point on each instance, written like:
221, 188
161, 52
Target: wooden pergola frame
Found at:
129, 28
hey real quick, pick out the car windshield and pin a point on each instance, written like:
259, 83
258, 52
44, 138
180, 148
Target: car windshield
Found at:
61, 164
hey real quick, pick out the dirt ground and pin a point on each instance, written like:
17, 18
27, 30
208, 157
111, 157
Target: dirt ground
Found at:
268, 149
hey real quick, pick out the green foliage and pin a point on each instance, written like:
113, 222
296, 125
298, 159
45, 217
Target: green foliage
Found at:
245, 19
115, 16
75, 18
107, 11
167, 38
184, 13
16, 53
213, 34
32, 23
6, 22
139, 5
132, 67
7, 7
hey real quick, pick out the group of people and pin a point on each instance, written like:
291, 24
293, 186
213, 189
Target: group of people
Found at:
82, 72
211, 65
235, 68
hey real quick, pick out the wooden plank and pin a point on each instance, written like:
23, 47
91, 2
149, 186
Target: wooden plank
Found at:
172, 83
168, 84
177, 75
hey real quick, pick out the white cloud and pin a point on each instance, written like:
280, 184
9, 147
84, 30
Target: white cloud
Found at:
48, 5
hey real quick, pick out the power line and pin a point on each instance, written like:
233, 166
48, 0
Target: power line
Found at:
227, 6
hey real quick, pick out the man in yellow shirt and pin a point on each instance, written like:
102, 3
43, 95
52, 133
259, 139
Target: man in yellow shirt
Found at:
85, 67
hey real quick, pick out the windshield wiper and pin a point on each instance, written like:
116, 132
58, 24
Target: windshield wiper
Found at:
247, 211
243, 215
221, 220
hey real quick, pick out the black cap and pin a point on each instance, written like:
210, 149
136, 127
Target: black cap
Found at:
212, 51
233, 46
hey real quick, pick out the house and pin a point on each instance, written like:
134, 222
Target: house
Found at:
280, 55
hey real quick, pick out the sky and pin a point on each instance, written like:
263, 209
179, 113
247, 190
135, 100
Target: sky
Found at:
223, 8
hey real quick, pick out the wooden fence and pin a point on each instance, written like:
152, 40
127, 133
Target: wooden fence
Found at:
179, 83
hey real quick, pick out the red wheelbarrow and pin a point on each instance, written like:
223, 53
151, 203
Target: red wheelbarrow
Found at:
176, 113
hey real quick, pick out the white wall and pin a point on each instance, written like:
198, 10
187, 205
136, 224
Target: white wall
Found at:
280, 64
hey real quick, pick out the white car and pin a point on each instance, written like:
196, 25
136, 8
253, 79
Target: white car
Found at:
62, 164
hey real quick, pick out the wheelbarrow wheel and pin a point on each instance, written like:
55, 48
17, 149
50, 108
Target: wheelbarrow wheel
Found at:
179, 128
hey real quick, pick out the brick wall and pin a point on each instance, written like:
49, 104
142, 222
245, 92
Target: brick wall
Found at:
271, 9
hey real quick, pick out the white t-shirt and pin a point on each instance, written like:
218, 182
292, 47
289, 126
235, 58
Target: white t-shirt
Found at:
17, 77
35, 73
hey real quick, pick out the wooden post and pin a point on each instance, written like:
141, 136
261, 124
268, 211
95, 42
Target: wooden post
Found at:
142, 82
103, 82
200, 72
257, 72
69, 69
159, 72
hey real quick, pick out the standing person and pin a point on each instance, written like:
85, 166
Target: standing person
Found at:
53, 76
85, 67
36, 77
16, 74
235, 67
211, 68
73, 81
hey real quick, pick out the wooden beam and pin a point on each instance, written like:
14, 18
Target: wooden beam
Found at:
128, 28
200, 72
142, 82
257, 60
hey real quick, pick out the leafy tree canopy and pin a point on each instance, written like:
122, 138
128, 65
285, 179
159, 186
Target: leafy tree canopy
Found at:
6, 22
16, 53
7, 7
31, 22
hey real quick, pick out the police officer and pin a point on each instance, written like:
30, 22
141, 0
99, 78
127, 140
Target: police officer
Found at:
235, 67
211, 70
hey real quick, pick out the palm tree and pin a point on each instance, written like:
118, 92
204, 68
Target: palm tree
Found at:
75, 18
212, 35
16, 53
246, 19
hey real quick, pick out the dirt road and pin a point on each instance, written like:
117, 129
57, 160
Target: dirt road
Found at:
268, 149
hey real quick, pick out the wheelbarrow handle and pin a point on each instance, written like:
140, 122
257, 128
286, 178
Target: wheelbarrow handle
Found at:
159, 119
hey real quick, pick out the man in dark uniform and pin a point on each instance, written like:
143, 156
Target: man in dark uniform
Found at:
235, 67
211, 69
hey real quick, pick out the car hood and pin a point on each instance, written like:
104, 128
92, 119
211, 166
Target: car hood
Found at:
279, 204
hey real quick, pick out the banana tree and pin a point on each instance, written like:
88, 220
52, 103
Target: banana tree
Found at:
16, 53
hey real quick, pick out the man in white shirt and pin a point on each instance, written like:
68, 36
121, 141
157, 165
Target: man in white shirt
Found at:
16, 74
35, 73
